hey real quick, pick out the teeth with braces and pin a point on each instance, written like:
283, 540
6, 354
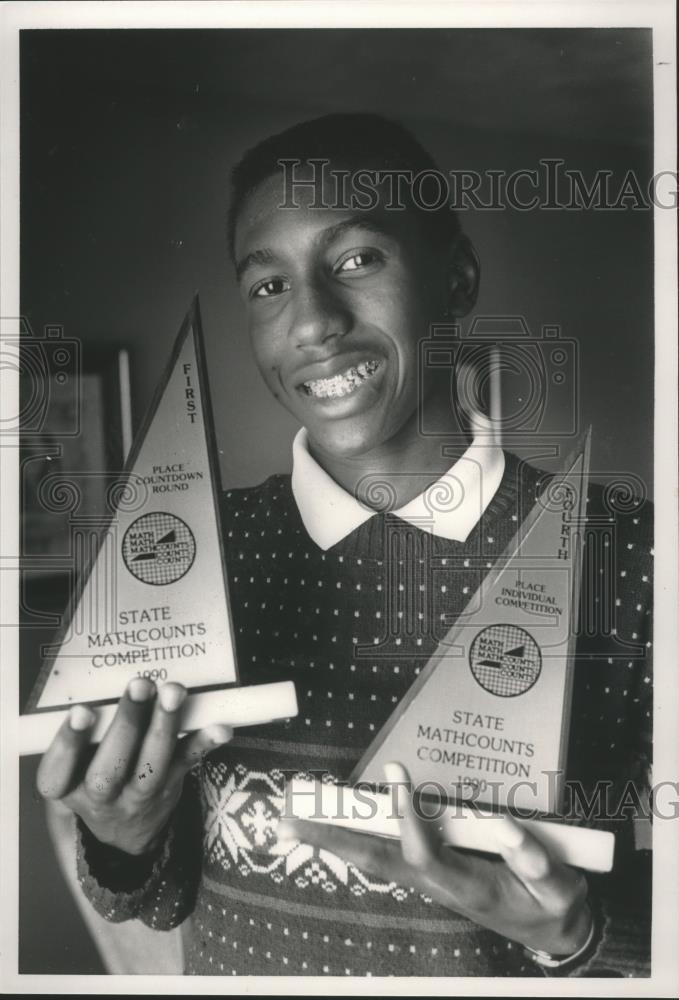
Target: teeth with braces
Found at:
343, 384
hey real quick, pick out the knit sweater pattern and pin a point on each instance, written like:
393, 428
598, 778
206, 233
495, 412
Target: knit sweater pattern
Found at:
353, 626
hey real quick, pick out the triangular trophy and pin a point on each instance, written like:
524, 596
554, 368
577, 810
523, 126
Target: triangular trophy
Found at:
487, 719
489, 714
153, 602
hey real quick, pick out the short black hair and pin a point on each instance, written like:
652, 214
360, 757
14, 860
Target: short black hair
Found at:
366, 139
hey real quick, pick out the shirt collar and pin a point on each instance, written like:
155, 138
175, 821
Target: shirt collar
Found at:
450, 508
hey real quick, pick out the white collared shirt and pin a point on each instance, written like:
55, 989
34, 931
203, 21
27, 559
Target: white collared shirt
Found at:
451, 507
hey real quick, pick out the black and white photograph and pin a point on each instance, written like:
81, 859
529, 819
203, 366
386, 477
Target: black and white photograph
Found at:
339, 498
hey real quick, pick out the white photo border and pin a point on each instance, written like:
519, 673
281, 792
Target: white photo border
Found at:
658, 15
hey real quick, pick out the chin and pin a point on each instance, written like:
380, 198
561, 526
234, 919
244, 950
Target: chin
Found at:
344, 442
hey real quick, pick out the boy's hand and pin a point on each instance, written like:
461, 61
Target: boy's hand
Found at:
127, 790
528, 896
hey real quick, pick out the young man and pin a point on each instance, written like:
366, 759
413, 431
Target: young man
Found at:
324, 566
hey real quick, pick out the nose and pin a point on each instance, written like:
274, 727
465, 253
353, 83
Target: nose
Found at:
319, 314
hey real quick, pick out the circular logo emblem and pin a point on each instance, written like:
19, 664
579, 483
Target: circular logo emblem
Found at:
158, 548
505, 660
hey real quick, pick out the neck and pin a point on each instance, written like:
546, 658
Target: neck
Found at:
392, 474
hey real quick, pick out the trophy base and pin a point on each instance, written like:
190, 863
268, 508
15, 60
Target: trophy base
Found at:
239, 706
459, 825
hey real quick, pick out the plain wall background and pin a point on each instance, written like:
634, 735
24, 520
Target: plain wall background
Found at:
127, 141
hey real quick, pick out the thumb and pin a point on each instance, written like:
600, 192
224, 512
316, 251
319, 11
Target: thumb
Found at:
417, 836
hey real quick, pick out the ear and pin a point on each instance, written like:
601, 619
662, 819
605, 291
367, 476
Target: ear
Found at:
464, 274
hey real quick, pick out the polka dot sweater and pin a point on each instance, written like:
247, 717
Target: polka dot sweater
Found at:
352, 627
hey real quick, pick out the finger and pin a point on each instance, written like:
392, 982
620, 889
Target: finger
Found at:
160, 742
118, 750
60, 767
376, 855
459, 886
553, 884
418, 839
444, 869
448, 875
191, 749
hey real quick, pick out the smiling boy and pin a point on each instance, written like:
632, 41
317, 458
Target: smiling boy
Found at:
330, 583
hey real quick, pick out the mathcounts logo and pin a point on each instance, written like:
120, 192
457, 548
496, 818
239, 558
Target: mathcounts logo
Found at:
505, 660
159, 548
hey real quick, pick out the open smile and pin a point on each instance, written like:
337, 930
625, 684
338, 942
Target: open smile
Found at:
342, 384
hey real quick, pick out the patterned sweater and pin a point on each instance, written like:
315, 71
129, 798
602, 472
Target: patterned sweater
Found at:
319, 618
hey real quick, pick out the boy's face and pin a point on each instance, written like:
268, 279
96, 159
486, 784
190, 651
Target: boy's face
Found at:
337, 302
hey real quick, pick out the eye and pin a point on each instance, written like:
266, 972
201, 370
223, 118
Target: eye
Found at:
268, 288
358, 261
